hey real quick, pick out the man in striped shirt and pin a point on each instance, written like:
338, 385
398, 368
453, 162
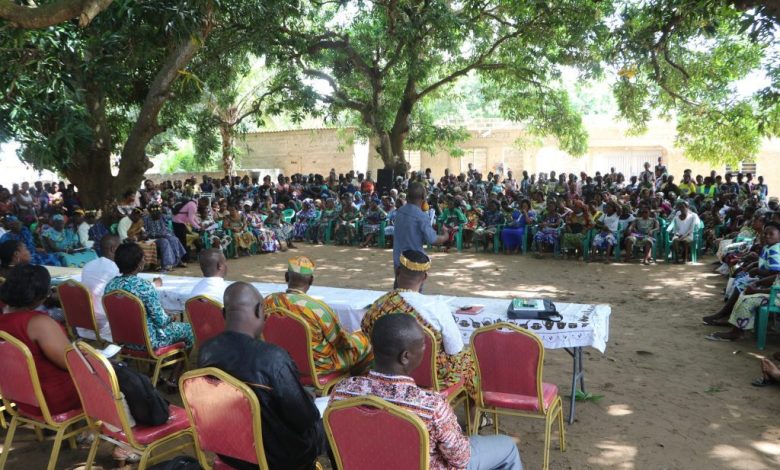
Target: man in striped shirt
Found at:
398, 345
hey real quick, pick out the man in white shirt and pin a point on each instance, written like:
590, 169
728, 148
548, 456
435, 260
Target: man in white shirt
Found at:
126, 222
685, 223
95, 275
213, 265
83, 223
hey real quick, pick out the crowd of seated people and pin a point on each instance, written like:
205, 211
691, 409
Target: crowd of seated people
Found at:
581, 216
739, 223
748, 257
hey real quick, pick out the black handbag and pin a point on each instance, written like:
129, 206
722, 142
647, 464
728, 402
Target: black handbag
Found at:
146, 404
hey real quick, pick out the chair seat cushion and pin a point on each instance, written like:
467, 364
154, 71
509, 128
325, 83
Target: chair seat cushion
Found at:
521, 402
157, 352
58, 418
452, 390
145, 435
322, 378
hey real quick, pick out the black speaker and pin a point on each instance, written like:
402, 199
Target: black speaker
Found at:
384, 180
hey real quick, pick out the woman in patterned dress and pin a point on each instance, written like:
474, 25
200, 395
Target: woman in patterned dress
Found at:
266, 239
372, 222
242, 235
303, 220
549, 230
64, 243
346, 223
162, 331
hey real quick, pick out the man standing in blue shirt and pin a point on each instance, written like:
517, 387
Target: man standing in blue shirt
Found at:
412, 224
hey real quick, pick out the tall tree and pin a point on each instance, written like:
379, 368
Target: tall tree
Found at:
691, 60
379, 60
81, 100
230, 106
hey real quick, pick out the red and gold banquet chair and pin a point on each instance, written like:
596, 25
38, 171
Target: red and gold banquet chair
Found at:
290, 332
217, 405
19, 384
126, 315
426, 375
509, 368
368, 432
205, 316
107, 414
78, 309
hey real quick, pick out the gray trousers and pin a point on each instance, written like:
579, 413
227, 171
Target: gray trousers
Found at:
494, 453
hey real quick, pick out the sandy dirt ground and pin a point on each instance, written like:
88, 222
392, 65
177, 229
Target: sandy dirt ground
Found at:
671, 399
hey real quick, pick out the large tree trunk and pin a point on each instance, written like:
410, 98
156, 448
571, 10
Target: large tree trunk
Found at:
92, 176
391, 147
90, 170
228, 150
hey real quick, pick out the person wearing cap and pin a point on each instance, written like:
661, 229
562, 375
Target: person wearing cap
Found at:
171, 251
455, 360
62, 242
683, 227
335, 349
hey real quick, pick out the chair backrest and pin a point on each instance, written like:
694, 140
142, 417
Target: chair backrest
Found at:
217, 405
368, 432
205, 316
425, 374
509, 360
97, 386
288, 214
290, 332
774, 300
18, 375
77, 306
126, 316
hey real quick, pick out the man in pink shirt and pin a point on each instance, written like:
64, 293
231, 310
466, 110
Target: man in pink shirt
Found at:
187, 214
398, 344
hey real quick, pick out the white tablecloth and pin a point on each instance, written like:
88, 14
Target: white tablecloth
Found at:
583, 324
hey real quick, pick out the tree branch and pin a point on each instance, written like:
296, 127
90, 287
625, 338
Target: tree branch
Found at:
474, 65
146, 126
337, 93
51, 13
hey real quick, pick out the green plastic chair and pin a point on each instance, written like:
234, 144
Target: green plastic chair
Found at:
762, 317
586, 241
381, 240
696, 246
557, 246
458, 237
496, 241
288, 215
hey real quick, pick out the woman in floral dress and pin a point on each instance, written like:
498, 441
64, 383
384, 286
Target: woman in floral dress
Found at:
163, 331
